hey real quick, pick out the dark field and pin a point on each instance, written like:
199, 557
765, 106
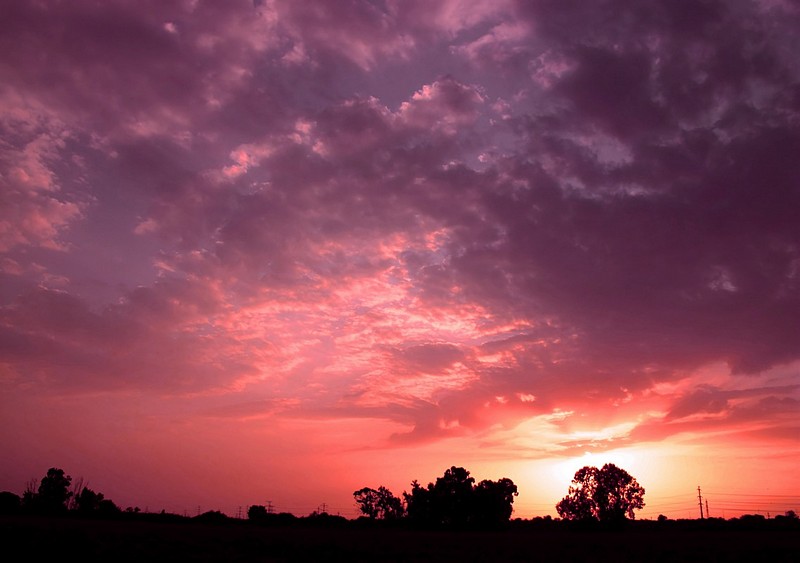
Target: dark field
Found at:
36, 538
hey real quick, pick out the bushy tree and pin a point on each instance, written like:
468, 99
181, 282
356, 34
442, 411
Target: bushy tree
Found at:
455, 501
52, 495
494, 500
88, 501
379, 503
419, 503
453, 497
608, 494
257, 512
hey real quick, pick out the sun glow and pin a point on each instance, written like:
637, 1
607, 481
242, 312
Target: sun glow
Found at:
565, 470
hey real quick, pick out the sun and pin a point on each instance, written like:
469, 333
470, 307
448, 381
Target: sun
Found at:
564, 470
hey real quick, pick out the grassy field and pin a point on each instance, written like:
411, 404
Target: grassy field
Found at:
36, 538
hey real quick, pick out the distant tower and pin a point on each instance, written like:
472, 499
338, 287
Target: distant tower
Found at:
700, 502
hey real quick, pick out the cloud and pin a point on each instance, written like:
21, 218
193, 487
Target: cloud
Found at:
571, 205
157, 339
740, 409
430, 357
34, 213
361, 32
445, 105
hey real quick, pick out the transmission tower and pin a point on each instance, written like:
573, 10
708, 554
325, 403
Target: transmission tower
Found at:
700, 501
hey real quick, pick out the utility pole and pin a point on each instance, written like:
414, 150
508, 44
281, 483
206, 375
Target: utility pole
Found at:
708, 514
700, 501
269, 507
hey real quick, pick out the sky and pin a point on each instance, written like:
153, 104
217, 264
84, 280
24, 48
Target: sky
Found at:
276, 251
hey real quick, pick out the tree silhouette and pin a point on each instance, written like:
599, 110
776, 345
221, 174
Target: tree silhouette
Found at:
493, 501
53, 493
454, 501
88, 502
257, 512
453, 498
609, 494
379, 504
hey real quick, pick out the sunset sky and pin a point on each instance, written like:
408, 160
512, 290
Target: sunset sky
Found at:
280, 250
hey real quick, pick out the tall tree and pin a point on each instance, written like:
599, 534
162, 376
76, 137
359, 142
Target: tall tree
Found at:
608, 494
54, 491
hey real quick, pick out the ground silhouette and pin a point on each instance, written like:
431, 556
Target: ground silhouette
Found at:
457, 516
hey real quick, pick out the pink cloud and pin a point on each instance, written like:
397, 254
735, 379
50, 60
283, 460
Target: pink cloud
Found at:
445, 105
360, 32
34, 212
450, 16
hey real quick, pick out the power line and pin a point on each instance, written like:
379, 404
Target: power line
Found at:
794, 497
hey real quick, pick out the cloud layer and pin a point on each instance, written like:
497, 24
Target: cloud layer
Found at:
456, 219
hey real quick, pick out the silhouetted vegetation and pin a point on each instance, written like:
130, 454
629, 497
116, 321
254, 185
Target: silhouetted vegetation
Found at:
379, 504
10, 503
212, 517
259, 514
608, 495
452, 518
53, 493
89, 503
454, 501
323, 520
53, 496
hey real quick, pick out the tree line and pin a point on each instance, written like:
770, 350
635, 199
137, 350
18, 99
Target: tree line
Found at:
608, 495
454, 500
56, 494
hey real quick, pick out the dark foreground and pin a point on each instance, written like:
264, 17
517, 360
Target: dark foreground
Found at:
38, 538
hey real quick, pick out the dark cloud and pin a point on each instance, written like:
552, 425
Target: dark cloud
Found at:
157, 339
430, 357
